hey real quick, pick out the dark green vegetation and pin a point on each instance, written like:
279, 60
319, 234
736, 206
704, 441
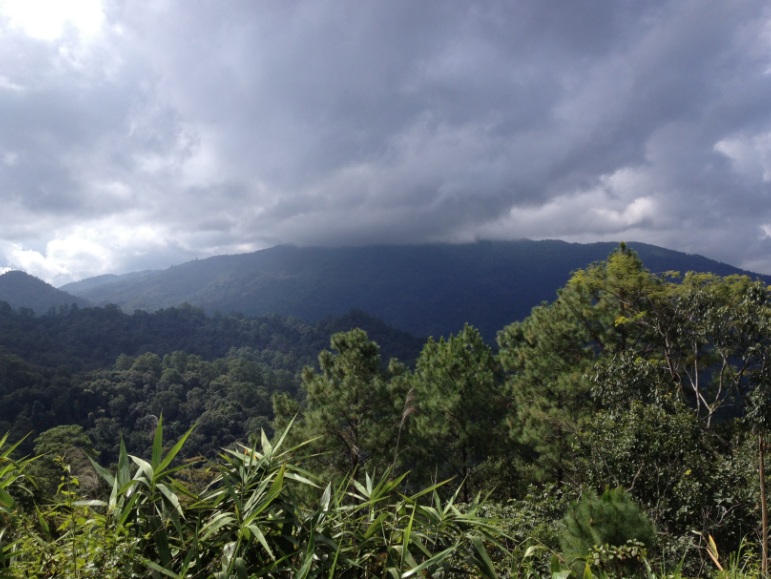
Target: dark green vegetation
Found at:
618, 431
427, 290
114, 373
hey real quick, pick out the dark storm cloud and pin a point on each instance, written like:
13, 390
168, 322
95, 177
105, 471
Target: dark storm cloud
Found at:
192, 129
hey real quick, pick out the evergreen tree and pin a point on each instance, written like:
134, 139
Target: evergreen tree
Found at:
459, 405
549, 358
349, 404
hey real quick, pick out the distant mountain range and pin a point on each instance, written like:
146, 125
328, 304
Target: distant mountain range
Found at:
424, 289
21, 290
427, 290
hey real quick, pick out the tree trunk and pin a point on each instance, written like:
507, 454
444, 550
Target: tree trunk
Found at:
763, 505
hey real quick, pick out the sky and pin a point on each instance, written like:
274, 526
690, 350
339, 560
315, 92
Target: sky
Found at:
137, 135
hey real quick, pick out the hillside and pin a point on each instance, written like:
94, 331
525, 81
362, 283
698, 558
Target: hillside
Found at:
21, 290
425, 290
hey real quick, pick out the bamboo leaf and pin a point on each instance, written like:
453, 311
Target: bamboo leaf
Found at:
375, 525
284, 434
42, 521
144, 468
172, 498
6, 501
124, 469
407, 536
157, 568
361, 488
326, 498
333, 567
258, 534
270, 496
91, 503
301, 479
216, 523
267, 448
174, 451
483, 559
305, 570
161, 540
430, 562
103, 472
127, 510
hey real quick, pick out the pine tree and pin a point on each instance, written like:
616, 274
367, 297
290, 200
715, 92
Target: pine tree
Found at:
349, 405
549, 358
455, 431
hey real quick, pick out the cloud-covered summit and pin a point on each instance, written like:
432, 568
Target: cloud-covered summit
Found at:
138, 135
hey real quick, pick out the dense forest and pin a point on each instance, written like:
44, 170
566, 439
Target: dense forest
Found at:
111, 372
617, 431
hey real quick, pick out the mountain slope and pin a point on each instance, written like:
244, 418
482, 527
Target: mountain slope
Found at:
425, 289
22, 290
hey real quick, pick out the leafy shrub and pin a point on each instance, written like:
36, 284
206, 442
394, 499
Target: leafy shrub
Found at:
608, 532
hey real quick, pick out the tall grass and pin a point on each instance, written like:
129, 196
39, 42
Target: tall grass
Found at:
261, 515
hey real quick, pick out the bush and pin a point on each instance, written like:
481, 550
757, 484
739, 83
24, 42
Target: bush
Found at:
610, 533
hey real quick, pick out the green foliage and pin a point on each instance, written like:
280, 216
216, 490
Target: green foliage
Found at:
607, 532
12, 475
250, 521
149, 501
111, 373
458, 409
349, 406
742, 563
66, 444
549, 358
636, 379
65, 538
248, 512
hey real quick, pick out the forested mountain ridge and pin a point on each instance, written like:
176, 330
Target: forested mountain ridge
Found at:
21, 290
427, 290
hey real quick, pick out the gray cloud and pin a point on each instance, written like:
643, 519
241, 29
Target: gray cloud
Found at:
175, 130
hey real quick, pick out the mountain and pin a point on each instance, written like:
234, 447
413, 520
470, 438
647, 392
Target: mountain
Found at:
21, 290
423, 289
